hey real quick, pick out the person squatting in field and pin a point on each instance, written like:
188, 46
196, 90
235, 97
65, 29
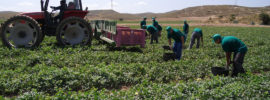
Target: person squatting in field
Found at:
153, 31
197, 34
179, 40
232, 44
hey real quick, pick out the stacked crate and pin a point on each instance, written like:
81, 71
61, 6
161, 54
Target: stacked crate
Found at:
117, 35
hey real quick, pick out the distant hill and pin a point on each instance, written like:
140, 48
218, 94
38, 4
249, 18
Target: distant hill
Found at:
7, 14
207, 12
202, 11
110, 14
199, 11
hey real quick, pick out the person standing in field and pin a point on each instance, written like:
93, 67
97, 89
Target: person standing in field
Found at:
179, 40
153, 31
186, 28
143, 22
197, 34
155, 23
232, 44
159, 30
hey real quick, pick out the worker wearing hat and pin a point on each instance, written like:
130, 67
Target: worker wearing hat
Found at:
197, 34
232, 44
179, 39
186, 28
153, 31
143, 22
155, 23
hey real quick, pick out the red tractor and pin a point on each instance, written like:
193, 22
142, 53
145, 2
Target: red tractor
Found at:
27, 30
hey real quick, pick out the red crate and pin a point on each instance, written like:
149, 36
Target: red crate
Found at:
129, 37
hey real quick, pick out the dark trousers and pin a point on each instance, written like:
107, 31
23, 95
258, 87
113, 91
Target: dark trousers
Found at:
154, 36
186, 34
177, 49
195, 36
238, 60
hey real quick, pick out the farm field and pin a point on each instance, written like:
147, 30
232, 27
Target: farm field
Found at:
96, 72
160, 22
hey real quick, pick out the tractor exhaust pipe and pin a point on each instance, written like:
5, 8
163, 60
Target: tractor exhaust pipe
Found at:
42, 5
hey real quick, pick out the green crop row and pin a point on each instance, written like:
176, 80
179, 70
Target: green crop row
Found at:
245, 87
51, 71
160, 22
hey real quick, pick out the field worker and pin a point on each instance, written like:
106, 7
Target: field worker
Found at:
159, 30
62, 8
186, 28
232, 44
155, 23
179, 40
143, 22
197, 34
153, 31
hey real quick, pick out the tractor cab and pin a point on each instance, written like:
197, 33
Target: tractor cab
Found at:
69, 8
73, 5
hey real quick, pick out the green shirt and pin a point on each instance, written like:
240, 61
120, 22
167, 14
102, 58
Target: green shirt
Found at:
233, 44
143, 23
155, 23
176, 35
159, 28
152, 29
185, 28
198, 30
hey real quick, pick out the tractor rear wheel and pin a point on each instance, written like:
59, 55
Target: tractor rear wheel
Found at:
74, 31
21, 32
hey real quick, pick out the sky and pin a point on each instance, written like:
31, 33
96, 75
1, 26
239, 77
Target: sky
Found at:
130, 6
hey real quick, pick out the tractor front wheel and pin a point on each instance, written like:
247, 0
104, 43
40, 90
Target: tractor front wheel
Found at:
74, 31
21, 32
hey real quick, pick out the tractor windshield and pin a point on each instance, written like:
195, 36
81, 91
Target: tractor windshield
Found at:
73, 4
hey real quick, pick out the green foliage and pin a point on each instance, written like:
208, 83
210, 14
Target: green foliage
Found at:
264, 18
245, 87
232, 17
1, 21
52, 72
121, 19
160, 22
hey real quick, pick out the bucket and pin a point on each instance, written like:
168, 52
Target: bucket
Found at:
166, 47
219, 71
169, 56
